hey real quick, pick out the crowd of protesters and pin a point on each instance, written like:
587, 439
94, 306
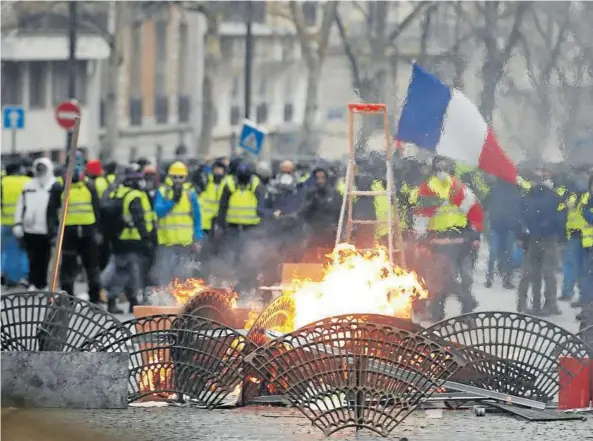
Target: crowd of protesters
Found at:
235, 220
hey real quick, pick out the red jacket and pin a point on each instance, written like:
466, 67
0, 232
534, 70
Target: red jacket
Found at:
459, 194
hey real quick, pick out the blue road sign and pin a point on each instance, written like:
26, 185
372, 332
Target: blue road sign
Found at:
252, 137
13, 117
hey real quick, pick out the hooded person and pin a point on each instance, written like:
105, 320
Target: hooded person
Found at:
36, 220
321, 210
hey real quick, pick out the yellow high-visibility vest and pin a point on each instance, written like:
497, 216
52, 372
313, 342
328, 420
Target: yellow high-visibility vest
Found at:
209, 201
587, 231
381, 204
177, 227
131, 232
12, 187
242, 204
101, 185
80, 206
448, 216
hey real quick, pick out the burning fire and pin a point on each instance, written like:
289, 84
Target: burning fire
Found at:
155, 377
183, 291
357, 282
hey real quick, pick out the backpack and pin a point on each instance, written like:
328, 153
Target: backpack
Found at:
112, 212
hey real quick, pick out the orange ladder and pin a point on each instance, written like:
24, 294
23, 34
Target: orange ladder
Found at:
350, 192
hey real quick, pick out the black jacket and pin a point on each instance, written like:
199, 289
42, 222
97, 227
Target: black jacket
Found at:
147, 239
73, 231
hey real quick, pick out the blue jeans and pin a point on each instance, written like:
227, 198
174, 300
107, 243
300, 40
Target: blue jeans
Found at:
15, 264
501, 249
573, 266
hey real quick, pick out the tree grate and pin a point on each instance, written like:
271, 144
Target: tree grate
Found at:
50, 321
511, 353
179, 356
355, 371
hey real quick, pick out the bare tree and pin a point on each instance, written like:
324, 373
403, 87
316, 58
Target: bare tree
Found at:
369, 57
494, 16
543, 52
314, 49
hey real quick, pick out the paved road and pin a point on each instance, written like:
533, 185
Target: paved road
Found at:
267, 424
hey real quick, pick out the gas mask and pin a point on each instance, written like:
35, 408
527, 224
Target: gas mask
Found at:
141, 184
442, 175
286, 180
217, 179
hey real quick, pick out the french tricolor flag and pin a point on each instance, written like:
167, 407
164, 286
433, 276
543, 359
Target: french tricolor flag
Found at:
445, 121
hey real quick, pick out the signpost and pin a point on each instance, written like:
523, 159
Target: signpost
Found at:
252, 137
13, 118
66, 114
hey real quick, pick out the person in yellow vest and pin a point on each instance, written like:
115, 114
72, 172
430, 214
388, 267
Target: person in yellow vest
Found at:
82, 234
573, 257
449, 215
179, 228
586, 208
134, 242
240, 210
15, 266
209, 198
111, 172
94, 171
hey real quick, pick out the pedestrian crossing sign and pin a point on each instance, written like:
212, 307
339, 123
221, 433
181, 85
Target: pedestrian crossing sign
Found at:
252, 137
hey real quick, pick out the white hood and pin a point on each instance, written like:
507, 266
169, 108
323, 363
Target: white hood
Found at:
31, 208
48, 178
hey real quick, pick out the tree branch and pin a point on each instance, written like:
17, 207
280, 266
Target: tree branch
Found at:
522, 8
406, 22
348, 51
329, 14
299, 24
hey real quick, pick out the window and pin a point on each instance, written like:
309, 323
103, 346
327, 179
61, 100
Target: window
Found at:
136, 61
37, 84
183, 108
310, 13
183, 77
235, 115
288, 112
183, 101
161, 106
135, 96
261, 113
135, 108
11, 83
61, 81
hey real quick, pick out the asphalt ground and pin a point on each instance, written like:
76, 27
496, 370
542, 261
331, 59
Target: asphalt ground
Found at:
267, 424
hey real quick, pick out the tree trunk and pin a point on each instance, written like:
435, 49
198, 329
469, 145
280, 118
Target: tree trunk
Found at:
491, 75
118, 21
309, 140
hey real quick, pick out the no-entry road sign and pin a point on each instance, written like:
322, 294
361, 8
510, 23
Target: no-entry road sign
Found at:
66, 113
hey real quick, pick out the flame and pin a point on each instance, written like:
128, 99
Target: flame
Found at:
155, 376
183, 291
356, 282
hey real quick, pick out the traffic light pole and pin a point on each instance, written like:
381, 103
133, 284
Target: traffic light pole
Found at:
72, 67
